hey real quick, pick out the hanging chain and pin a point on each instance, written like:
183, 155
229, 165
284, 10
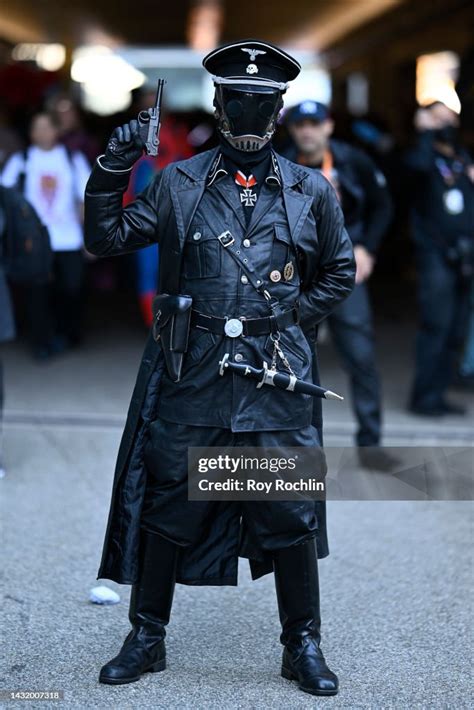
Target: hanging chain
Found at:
278, 351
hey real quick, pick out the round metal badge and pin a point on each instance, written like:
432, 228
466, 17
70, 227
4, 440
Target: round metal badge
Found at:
275, 276
233, 328
288, 271
453, 201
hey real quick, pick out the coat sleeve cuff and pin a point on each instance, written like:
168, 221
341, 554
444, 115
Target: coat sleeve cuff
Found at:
103, 178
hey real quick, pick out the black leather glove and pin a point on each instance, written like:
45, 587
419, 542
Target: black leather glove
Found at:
124, 148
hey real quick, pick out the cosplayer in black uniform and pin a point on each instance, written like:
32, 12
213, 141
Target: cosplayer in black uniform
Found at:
287, 226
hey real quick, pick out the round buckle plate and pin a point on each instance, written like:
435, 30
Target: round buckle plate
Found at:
233, 328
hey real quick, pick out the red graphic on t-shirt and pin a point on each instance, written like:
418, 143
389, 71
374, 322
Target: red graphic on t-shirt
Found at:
49, 184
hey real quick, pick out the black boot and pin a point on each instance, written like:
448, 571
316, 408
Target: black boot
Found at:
297, 589
150, 607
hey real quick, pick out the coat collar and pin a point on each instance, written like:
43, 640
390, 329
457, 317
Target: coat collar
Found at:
200, 168
187, 196
219, 168
291, 173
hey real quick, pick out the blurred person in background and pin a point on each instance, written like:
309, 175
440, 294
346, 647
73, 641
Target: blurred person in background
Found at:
53, 180
367, 206
465, 376
10, 140
72, 133
443, 232
7, 319
25, 258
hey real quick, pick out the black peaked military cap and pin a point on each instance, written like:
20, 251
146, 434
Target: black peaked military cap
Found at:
252, 60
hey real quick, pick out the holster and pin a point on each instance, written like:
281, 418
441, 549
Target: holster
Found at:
171, 324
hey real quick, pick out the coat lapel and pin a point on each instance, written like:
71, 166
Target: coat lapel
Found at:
297, 204
186, 199
266, 198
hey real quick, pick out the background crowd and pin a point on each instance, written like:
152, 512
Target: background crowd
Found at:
409, 211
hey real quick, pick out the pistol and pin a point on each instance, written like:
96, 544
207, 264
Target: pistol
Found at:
149, 122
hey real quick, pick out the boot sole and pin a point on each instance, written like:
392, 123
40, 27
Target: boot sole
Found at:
154, 668
289, 675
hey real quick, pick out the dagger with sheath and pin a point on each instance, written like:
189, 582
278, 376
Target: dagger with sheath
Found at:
275, 378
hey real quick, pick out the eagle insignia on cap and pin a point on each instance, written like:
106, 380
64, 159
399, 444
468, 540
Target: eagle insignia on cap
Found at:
253, 52
263, 61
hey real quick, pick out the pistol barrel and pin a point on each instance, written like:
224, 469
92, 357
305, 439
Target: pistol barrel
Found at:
150, 121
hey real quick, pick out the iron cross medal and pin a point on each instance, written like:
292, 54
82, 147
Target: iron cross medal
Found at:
247, 197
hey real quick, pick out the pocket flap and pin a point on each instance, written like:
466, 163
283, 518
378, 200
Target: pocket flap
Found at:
198, 234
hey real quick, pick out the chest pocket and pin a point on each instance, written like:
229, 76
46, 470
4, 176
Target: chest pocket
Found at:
283, 257
202, 254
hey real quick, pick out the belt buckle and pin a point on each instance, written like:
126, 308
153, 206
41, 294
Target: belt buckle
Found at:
226, 238
233, 327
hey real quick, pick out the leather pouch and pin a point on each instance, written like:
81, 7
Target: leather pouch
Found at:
171, 324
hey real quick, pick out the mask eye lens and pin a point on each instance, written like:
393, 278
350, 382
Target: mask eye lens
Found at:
234, 108
266, 109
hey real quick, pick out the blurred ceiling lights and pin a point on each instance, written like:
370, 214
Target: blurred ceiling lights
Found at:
106, 79
335, 18
47, 56
204, 24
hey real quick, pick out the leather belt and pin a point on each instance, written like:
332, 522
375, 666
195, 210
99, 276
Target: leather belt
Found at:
233, 327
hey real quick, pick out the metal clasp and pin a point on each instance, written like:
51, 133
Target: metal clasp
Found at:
226, 238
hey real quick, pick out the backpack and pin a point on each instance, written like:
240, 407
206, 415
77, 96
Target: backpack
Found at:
25, 249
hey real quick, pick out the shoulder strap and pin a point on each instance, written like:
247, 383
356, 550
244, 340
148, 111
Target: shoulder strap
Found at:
20, 183
227, 242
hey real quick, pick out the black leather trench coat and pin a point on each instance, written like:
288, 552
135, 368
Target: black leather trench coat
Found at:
164, 212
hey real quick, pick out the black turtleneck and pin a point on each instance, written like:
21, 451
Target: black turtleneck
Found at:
256, 162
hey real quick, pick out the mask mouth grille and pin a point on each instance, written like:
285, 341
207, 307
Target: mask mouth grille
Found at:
248, 143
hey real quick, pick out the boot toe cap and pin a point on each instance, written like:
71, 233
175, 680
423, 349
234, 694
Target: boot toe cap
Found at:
326, 684
322, 685
115, 673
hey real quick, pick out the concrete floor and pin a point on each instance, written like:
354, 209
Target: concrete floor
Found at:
395, 603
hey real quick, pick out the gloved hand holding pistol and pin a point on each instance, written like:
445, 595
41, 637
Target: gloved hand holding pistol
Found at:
124, 148
127, 142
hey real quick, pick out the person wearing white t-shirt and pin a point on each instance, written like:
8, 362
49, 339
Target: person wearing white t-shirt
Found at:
53, 181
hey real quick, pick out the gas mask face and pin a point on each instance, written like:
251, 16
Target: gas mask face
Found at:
247, 115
